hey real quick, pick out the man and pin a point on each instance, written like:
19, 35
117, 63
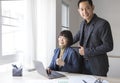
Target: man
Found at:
95, 39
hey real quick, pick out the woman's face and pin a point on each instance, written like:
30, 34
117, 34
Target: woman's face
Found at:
62, 41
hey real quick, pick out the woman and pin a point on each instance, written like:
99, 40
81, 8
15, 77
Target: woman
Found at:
65, 58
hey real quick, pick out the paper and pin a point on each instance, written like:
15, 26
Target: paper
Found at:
84, 79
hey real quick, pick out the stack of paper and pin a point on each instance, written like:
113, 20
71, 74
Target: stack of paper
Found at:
84, 79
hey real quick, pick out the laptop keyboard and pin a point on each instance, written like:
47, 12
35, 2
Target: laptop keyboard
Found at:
55, 74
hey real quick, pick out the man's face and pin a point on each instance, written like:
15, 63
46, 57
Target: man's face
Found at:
86, 10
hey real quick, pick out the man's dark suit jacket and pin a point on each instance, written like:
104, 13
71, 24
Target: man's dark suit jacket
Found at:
71, 61
99, 41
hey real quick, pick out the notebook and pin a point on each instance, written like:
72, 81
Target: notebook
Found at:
42, 71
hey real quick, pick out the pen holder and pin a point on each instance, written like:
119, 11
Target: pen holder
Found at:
16, 71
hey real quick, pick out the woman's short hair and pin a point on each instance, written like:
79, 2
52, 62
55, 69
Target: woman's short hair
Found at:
68, 35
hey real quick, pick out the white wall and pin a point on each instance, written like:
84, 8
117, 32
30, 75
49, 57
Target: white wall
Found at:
110, 10
74, 16
114, 70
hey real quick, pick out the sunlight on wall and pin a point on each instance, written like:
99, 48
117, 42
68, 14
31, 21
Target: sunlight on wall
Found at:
46, 30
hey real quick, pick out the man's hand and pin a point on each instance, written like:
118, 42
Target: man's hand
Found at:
60, 62
81, 51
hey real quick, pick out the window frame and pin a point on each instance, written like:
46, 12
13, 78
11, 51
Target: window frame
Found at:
66, 24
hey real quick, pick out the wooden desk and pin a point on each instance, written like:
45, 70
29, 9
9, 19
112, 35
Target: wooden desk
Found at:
34, 77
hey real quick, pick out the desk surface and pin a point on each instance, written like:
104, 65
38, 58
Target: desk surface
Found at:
34, 77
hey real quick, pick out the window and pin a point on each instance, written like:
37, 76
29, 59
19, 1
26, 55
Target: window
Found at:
65, 15
26, 32
11, 29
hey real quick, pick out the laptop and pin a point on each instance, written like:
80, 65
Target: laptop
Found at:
42, 71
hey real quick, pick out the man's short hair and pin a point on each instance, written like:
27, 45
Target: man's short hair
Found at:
89, 1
